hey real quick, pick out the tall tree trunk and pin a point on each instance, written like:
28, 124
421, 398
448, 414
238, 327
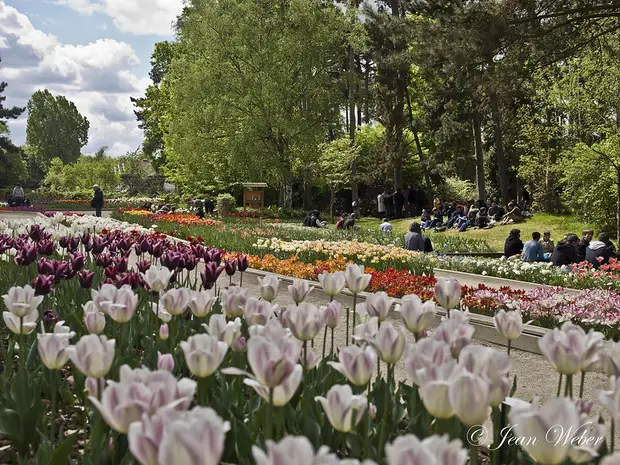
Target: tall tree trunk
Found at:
286, 190
399, 110
307, 192
366, 89
482, 192
618, 204
352, 125
500, 154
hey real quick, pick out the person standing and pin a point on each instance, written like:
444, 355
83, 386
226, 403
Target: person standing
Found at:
412, 201
18, 195
399, 202
389, 204
97, 202
381, 204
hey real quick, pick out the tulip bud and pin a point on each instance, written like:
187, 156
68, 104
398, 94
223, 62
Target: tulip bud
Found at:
416, 315
230, 265
52, 346
93, 355
448, 292
239, 345
356, 364
332, 314
203, 354
164, 332
42, 285
269, 287
201, 303
343, 409
299, 290
311, 360
372, 411
356, 280
157, 278
469, 395
389, 343
93, 387
175, 301
85, 278
242, 262
509, 324
165, 362
257, 312
379, 304
332, 283
233, 301
305, 320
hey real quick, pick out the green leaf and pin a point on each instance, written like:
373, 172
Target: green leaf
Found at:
513, 389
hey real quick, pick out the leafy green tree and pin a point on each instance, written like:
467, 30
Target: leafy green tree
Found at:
55, 128
253, 90
83, 174
12, 166
154, 108
334, 164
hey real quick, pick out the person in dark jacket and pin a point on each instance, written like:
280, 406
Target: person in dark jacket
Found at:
414, 240
586, 237
97, 202
349, 223
565, 252
399, 202
513, 244
600, 251
412, 201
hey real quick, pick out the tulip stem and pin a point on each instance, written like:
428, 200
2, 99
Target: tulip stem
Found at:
386, 405
54, 408
353, 316
268, 416
583, 381
241, 280
331, 350
473, 454
324, 341
559, 386
613, 436
496, 415
346, 337
509, 346
305, 355
203, 390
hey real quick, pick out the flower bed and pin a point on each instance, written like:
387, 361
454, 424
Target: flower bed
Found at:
225, 377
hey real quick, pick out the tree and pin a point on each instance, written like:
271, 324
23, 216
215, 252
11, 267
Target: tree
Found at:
12, 166
255, 88
6, 114
154, 108
335, 163
83, 174
55, 128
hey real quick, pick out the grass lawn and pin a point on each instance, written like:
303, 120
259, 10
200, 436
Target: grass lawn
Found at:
558, 225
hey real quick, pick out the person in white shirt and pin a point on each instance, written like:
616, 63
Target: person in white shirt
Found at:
381, 204
18, 195
385, 227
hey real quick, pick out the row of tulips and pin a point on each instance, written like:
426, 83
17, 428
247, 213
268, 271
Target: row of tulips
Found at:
247, 373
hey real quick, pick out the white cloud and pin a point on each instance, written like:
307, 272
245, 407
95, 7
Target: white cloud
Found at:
140, 17
96, 76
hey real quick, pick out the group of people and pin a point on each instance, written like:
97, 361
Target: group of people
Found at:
313, 220
398, 204
568, 251
480, 215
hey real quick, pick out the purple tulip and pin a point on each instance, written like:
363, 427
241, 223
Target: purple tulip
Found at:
34, 231
123, 244
99, 244
45, 247
230, 265
42, 284
77, 261
74, 243
111, 271
210, 274
121, 264
45, 266
145, 245
85, 278
26, 256
158, 250
85, 238
143, 265
63, 242
242, 262
191, 261
104, 260
50, 318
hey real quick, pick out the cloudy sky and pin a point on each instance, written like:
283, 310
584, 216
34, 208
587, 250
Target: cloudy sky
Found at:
95, 52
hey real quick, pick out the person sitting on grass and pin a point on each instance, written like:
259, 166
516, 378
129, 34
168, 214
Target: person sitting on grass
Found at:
532, 250
414, 240
385, 227
513, 215
496, 211
349, 223
600, 251
586, 238
547, 243
514, 244
340, 222
437, 220
565, 252
482, 219
456, 216
425, 218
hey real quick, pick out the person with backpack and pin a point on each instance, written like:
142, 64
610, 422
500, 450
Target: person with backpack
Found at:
97, 201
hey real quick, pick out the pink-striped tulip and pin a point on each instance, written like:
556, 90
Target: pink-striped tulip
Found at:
356, 364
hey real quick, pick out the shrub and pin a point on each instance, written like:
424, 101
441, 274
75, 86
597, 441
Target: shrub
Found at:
225, 203
457, 190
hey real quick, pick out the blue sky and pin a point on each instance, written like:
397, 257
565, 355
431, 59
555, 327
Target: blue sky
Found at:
95, 52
